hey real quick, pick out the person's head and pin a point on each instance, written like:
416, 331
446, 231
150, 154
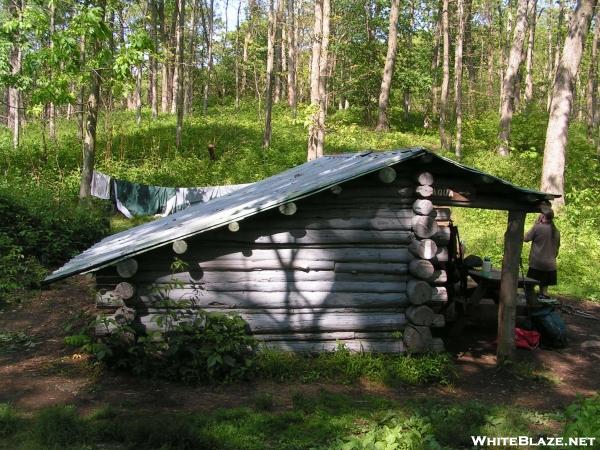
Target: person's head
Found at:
547, 214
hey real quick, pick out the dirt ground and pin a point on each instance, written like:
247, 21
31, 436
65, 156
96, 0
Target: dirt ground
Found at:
51, 373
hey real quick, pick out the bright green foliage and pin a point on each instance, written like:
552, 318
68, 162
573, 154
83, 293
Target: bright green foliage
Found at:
343, 366
583, 418
58, 426
9, 421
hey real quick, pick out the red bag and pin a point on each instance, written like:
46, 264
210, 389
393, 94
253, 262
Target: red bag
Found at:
528, 339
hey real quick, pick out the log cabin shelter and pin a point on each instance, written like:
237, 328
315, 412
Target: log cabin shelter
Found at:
346, 249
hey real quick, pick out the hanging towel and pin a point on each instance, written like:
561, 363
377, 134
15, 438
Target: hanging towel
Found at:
101, 185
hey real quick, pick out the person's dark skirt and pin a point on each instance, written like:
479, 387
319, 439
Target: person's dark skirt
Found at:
545, 277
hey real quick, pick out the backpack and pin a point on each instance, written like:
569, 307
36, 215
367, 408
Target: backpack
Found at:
551, 326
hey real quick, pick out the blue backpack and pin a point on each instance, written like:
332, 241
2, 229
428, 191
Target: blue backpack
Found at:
551, 326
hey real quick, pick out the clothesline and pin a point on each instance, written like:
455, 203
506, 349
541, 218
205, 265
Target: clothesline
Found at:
135, 199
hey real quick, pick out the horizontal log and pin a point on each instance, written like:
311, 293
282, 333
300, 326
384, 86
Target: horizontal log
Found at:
302, 286
335, 223
329, 336
424, 226
424, 191
417, 339
421, 268
423, 207
301, 236
202, 255
273, 276
424, 178
439, 295
419, 292
441, 255
439, 321
360, 345
442, 214
284, 323
420, 315
313, 312
439, 277
124, 290
423, 248
264, 300
127, 268
376, 268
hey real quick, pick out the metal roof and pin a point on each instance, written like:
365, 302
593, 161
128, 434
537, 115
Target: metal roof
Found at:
293, 184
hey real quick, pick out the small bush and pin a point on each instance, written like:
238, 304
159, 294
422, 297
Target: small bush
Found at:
583, 418
9, 421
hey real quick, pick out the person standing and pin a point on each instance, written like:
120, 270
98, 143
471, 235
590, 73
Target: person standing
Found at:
545, 242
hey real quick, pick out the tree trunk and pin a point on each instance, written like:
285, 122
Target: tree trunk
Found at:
153, 77
458, 73
209, 46
318, 72
269, 78
252, 10
277, 46
388, 69
553, 169
529, 60
138, 95
237, 57
292, 54
435, 64
409, 48
444, 141
93, 102
189, 79
165, 70
511, 75
507, 309
556, 58
592, 87
51, 108
178, 81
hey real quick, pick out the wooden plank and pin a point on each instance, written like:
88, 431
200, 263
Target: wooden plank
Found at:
334, 223
362, 345
291, 299
284, 323
301, 236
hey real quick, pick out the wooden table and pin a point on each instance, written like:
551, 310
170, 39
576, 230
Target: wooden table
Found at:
488, 285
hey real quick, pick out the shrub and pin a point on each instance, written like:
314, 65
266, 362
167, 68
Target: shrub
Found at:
582, 418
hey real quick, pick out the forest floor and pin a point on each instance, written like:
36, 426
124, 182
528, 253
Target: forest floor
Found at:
44, 371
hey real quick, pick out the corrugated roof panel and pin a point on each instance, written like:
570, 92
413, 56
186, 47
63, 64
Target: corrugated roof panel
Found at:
293, 184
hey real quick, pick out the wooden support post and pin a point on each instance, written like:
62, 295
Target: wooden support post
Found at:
513, 244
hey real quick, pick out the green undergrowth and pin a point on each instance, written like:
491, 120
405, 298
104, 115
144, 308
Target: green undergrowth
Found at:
343, 366
44, 174
297, 420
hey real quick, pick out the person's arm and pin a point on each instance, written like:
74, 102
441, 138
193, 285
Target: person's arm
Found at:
529, 235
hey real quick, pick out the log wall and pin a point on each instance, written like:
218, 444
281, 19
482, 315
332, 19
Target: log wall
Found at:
348, 266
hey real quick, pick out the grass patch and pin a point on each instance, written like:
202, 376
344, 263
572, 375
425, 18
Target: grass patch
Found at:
343, 366
324, 420
16, 341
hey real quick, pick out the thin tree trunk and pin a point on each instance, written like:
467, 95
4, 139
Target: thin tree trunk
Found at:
553, 169
178, 82
318, 72
153, 63
383, 123
277, 45
93, 103
529, 60
292, 54
165, 69
552, 73
409, 47
237, 57
458, 73
14, 96
189, 79
510, 77
208, 36
252, 9
435, 64
444, 140
51, 108
592, 87
269, 78
469, 57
